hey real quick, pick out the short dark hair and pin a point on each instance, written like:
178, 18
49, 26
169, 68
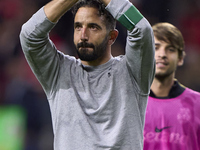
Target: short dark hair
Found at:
109, 20
169, 33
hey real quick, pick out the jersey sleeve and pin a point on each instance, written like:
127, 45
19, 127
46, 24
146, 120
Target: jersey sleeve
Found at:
39, 50
139, 45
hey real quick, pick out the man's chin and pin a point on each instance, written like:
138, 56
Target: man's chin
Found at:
163, 75
87, 58
85, 55
160, 74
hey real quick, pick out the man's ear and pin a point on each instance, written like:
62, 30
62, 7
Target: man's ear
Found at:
113, 36
181, 61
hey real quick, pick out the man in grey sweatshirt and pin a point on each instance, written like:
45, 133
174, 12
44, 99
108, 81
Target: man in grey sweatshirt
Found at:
98, 101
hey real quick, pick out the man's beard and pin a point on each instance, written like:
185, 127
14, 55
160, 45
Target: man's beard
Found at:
162, 76
90, 55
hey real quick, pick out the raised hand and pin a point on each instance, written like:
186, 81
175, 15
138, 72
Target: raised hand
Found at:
57, 8
106, 2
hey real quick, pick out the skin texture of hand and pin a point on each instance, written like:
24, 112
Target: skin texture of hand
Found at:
106, 2
55, 9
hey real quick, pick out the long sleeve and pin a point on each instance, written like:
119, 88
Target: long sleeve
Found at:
140, 43
39, 51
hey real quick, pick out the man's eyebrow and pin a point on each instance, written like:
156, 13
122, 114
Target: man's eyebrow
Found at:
170, 46
157, 44
89, 24
77, 23
95, 24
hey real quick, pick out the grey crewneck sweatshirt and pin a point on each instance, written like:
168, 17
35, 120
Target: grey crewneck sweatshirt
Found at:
94, 108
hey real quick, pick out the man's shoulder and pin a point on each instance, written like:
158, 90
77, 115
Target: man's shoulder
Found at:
192, 92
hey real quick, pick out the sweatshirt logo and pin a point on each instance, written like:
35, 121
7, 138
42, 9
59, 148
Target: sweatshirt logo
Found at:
160, 130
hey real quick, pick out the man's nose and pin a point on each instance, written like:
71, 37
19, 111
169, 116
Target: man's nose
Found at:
162, 52
84, 34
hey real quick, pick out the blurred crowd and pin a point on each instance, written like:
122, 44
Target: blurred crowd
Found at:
19, 87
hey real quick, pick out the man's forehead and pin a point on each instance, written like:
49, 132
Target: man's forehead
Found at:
87, 11
88, 14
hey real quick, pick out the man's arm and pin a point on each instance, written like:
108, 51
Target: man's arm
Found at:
106, 2
55, 9
140, 42
40, 52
